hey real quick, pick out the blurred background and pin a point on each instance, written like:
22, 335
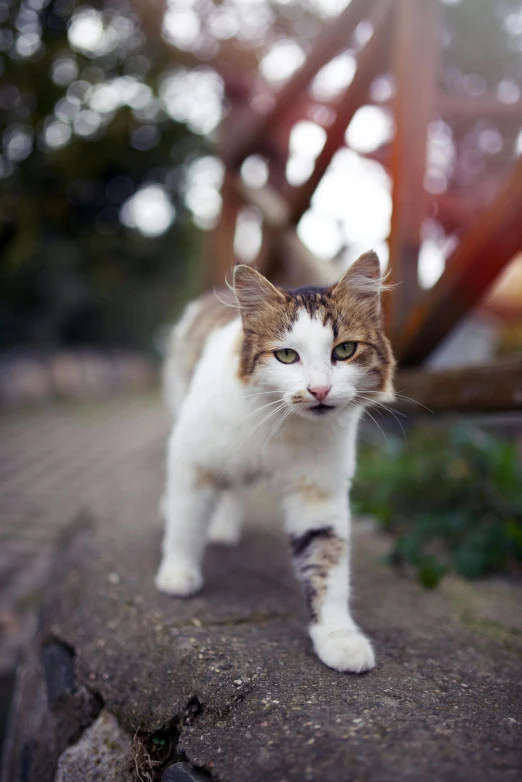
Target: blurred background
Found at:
116, 118
146, 145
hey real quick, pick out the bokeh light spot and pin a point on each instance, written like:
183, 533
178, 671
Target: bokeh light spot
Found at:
149, 211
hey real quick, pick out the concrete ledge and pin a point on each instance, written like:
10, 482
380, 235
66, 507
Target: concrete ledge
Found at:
229, 683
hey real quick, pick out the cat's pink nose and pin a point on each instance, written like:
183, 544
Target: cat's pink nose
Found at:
320, 392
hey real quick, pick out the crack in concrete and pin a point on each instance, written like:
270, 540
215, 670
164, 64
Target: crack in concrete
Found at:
196, 623
158, 751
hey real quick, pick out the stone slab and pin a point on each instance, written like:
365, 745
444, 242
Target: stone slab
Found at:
102, 754
234, 670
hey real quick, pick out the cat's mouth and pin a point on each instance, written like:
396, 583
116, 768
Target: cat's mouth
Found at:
321, 408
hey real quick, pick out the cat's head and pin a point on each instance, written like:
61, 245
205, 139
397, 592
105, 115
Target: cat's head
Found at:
322, 350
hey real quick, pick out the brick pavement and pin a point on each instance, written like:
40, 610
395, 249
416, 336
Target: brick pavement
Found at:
54, 463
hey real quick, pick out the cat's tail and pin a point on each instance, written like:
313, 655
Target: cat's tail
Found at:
175, 377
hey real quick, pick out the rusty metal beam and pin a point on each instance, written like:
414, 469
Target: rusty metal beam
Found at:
496, 386
484, 250
415, 63
369, 62
251, 134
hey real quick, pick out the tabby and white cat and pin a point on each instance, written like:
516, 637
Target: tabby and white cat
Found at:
276, 389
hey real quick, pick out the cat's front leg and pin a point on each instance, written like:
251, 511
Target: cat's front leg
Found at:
189, 499
318, 527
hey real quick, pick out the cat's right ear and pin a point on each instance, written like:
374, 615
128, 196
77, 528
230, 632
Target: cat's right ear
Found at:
253, 291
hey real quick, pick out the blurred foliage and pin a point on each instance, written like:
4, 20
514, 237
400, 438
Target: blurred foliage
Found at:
451, 497
70, 271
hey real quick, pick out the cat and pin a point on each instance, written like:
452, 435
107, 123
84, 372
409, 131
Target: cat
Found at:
276, 385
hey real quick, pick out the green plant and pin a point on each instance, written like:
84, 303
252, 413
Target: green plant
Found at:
452, 497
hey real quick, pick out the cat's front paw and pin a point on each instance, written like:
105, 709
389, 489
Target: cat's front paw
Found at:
344, 650
178, 580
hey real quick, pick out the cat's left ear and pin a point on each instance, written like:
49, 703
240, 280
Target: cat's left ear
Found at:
254, 293
362, 279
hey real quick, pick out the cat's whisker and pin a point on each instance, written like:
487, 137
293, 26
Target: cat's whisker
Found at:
258, 409
377, 405
249, 434
378, 426
410, 399
284, 416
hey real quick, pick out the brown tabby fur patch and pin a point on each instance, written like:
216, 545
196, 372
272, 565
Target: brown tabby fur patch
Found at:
315, 553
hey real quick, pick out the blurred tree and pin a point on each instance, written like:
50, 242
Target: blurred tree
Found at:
103, 109
82, 132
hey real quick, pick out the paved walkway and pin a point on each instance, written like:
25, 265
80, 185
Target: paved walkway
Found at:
55, 463
229, 676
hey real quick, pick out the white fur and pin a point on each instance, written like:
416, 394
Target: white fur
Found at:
233, 430
225, 527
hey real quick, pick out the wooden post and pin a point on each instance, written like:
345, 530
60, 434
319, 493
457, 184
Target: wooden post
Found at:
415, 61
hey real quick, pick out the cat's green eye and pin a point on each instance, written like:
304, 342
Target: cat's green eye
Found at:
286, 356
343, 351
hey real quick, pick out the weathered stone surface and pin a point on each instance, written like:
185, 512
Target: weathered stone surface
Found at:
102, 754
45, 721
234, 667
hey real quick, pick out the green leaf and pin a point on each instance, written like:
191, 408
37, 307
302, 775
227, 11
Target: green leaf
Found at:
430, 572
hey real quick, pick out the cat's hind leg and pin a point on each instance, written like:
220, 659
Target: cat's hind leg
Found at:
226, 523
